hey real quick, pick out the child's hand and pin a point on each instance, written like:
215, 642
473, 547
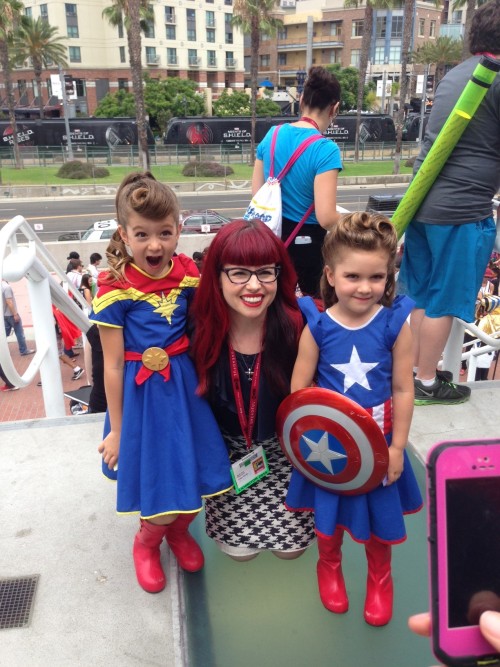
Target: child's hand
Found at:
109, 448
396, 465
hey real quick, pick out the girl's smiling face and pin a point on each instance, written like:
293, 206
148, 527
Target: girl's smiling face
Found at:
152, 243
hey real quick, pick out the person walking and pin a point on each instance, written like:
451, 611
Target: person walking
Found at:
12, 319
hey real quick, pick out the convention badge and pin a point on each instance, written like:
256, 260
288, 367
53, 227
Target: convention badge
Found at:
249, 469
332, 441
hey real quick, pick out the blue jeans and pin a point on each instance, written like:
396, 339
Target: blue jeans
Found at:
11, 324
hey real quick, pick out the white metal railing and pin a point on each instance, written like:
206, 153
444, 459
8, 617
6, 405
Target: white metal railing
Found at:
33, 262
453, 354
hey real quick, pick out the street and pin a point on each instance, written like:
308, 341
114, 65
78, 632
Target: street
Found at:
66, 214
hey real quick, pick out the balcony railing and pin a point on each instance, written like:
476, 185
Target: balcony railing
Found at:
170, 19
212, 62
231, 63
152, 60
194, 61
172, 60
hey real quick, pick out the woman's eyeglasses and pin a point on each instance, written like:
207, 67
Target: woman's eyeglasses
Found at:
238, 276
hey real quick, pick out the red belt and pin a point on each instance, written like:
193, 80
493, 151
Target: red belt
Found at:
156, 359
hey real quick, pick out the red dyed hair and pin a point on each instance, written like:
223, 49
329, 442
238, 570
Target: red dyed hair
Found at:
247, 243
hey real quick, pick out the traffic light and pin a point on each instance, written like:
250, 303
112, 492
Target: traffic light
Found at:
68, 84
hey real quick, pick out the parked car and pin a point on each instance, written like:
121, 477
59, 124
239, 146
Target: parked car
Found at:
99, 231
202, 222
385, 204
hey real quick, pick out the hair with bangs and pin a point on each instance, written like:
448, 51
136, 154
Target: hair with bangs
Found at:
360, 231
246, 243
140, 193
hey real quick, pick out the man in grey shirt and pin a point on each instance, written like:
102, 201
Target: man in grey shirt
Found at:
12, 319
449, 242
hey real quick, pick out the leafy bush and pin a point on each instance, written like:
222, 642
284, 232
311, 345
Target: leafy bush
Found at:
206, 169
76, 169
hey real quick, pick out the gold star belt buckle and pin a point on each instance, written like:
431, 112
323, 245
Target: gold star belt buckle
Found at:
155, 359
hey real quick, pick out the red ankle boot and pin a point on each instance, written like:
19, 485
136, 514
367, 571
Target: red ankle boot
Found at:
146, 554
379, 591
329, 569
183, 545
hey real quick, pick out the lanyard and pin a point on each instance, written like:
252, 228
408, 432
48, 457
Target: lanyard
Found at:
306, 119
246, 422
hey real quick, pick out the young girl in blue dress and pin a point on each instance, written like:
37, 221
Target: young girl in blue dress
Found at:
360, 347
159, 434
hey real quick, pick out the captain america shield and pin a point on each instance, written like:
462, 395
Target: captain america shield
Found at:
332, 441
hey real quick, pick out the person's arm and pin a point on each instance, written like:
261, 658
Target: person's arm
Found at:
258, 179
325, 198
87, 293
307, 361
113, 350
403, 395
12, 307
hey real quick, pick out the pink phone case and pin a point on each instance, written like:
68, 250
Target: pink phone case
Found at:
455, 643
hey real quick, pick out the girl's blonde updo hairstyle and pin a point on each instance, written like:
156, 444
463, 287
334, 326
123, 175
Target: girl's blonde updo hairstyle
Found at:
360, 231
140, 193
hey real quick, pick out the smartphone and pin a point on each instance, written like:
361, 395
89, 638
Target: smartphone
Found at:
463, 494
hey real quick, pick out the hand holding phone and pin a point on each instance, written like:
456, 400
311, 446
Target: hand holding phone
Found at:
464, 547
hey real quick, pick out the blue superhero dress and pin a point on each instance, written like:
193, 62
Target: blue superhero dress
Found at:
357, 363
171, 452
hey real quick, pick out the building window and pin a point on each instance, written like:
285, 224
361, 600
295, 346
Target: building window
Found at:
122, 84
228, 3
381, 26
70, 9
193, 57
230, 61
357, 28
169, 15
397, 27
151, 57
421, 27
191, 25
211, 59
122, 54
210, 36
379, 58
281, 58
432, 29
265, 60
228, 28
355, 57
191, 34
170, 31
120, 30
75, 55
80, 87
335, 29
171, 56
28, 11
190, 15
44, 14
282, 33
395, 55
149, 28
456, 16
21, 86
73, 31
210, 19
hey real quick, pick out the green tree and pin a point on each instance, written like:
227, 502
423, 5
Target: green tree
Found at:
366, 41
134, 15
121, 103
348, 78
11, 18
254, 18
38, 40
237, 103
444, 51
169, 97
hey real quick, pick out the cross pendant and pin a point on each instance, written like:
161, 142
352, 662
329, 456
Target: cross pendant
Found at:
249, 374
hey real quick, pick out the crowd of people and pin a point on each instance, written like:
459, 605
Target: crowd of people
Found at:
203, 351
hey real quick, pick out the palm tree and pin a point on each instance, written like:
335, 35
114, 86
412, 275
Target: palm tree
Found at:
10, 18
38, 40
366, 42
134, 15
409, 7
253, 17
442, 52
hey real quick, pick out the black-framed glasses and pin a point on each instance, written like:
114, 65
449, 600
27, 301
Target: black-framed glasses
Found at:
239, 276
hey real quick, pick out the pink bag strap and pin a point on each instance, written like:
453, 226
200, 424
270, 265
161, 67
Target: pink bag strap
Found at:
299, 225
297, 153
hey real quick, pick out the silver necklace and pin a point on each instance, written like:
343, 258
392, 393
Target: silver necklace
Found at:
248, 370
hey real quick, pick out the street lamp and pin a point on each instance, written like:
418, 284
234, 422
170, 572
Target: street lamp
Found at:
301, 77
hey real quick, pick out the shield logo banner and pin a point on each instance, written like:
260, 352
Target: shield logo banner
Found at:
332, 441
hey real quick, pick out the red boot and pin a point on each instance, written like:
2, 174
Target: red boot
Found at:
329, 569
183, 545
146, 554
379, 592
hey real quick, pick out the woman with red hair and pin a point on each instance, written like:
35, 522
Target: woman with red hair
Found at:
247, 326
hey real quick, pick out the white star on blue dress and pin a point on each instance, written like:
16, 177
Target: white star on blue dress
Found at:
321, 452
355, 371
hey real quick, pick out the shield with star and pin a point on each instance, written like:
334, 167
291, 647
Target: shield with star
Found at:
332, 441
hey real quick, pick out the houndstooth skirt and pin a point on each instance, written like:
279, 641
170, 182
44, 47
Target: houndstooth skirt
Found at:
257, 518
